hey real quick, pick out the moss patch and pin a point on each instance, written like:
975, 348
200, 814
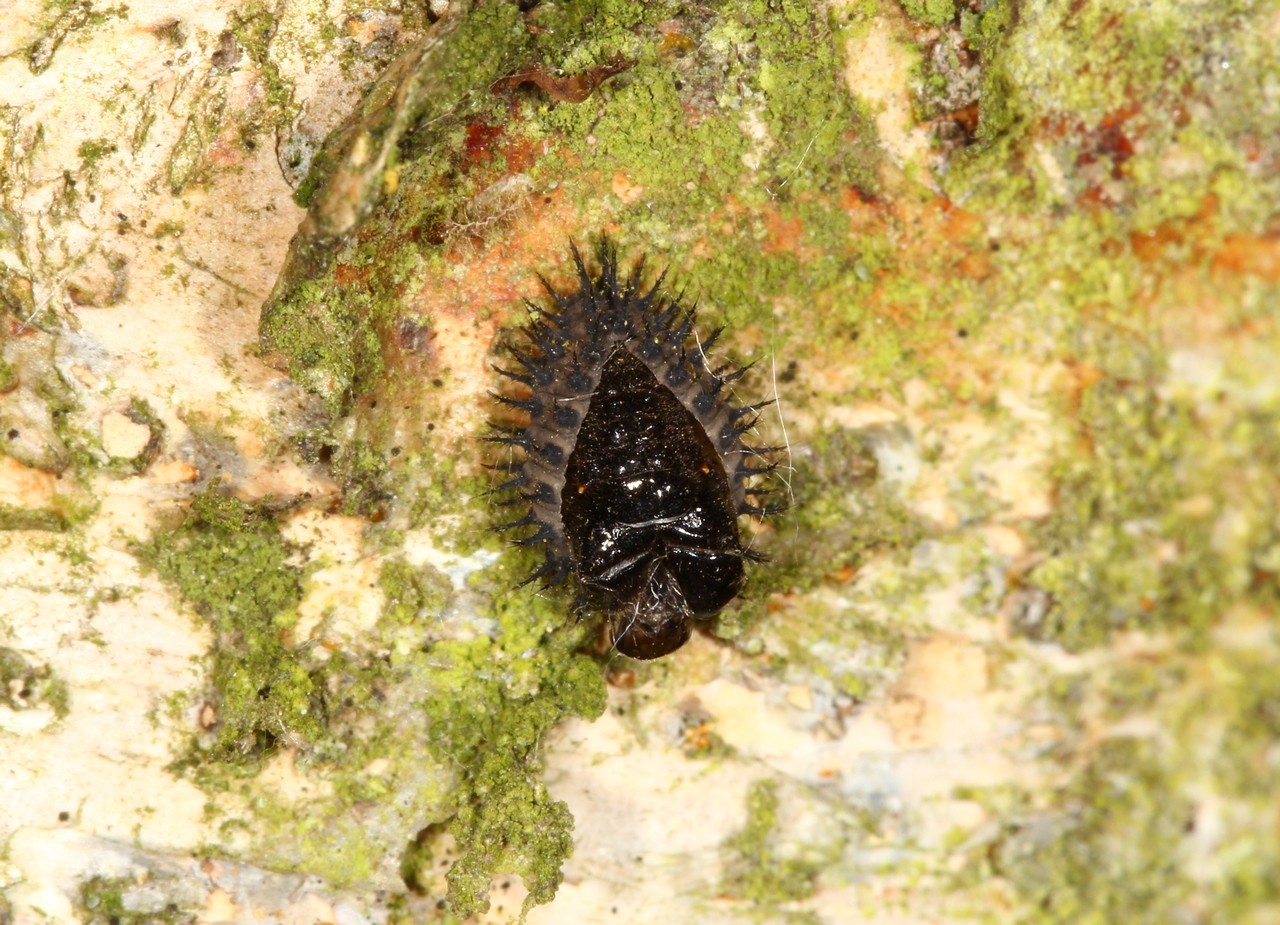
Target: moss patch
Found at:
933, 12
505, 819
1113, 854
229, 561
756, 871
362, 718
23, 518
1081, 102
1138, 536
1124, 837
669, 124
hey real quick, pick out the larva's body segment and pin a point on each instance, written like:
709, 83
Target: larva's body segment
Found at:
632, 462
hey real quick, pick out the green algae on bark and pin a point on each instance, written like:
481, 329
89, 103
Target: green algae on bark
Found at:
26, 518
60, 19
733, 86
505, 820
1130, 144
755, 82
1144, 114
1074, 168
363, 719
24, 686
1118, 159
130, 900
933, 12
1159, 479
1129, 835
230, 562
756, 872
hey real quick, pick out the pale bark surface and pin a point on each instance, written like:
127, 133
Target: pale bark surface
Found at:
1013, 272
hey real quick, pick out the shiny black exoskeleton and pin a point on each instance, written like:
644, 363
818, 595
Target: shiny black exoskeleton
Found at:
652, 529
632, 462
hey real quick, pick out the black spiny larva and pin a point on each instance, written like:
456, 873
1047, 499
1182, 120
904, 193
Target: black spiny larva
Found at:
633, 463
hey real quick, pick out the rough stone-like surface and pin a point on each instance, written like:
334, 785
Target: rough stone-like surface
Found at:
1012, 270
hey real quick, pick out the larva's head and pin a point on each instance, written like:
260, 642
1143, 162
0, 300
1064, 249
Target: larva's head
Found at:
653, 610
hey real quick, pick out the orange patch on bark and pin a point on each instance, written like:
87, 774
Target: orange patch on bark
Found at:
1251, 254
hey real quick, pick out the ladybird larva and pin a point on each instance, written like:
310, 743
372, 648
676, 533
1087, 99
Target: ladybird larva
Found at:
633, 463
